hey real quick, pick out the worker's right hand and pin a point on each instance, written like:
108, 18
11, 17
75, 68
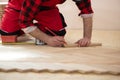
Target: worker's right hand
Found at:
56, 41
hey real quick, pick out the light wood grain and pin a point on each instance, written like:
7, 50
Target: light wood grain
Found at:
97, 59
76, 45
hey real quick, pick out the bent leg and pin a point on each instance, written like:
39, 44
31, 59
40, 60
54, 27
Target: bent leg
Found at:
10, 27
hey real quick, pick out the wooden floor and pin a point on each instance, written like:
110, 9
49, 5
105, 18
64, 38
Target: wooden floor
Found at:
50, 76
22, 62
31, 62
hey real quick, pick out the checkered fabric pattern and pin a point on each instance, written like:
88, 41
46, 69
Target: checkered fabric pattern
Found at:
84, 6
30, 8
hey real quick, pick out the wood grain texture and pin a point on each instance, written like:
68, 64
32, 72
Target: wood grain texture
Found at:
75, 45
51, 76
97, 60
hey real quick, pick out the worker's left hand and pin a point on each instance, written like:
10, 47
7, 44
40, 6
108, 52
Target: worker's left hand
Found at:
84, 42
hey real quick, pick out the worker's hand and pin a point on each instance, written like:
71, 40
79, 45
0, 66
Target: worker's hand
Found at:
23, 38
84, 42
56, 41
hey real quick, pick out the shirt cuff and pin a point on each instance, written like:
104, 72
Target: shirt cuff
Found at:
29, 29
86, 15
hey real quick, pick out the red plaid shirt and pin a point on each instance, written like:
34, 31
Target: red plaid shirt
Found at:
30, 9
85, 7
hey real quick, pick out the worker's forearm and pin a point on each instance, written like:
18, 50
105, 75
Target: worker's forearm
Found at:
39, 35
87, 23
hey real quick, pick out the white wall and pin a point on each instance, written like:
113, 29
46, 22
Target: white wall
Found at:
106, 16
3, 0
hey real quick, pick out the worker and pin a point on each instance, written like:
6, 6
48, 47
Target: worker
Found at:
19, 17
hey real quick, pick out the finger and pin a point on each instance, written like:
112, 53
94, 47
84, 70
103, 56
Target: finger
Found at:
58, 43
83, 43
88, 43
62, 41
78, 43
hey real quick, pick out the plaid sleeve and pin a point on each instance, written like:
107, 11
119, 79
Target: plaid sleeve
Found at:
28, 11
84, 6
